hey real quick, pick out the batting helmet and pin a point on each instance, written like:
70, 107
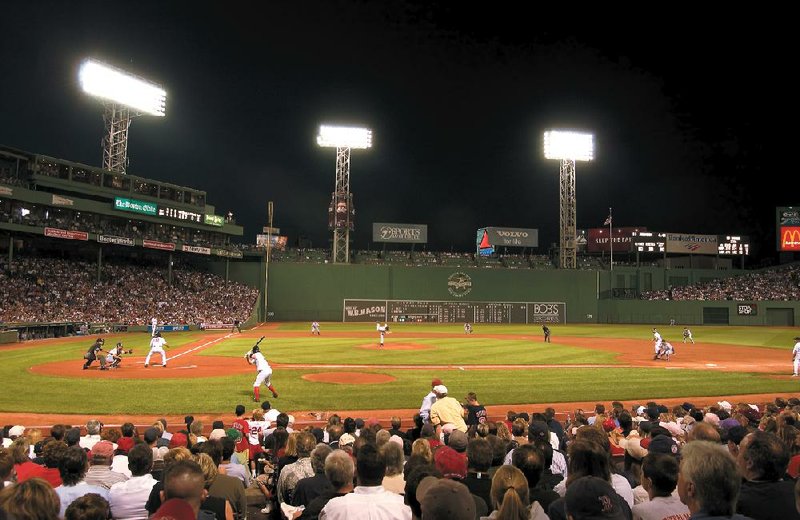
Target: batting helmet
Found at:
158, 334
256, 348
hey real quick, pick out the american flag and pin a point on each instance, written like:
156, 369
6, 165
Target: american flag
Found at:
608, 221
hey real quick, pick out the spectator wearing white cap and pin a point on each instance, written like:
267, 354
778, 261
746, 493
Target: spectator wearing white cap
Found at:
447, 410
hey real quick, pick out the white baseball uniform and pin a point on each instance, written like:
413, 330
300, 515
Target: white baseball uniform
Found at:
382, 331
157, 347
315, 327
796, 357
658, 340
154, 321
264, 370
687, 334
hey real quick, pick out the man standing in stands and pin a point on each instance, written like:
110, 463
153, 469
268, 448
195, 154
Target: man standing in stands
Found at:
427, 402
95, 352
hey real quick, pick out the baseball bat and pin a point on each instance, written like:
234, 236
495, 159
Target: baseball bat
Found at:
259, 341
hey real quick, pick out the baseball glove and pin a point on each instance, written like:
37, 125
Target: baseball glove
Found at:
129, 351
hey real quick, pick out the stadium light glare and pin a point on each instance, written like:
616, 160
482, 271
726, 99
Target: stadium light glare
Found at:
576, 146
107, 82
344, 137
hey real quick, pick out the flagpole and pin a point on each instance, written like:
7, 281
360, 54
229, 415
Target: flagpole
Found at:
611, 237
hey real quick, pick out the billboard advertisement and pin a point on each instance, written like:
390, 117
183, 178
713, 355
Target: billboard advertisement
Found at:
598, 239
787, 228
691, 244
135, 206
513, 237
402, 233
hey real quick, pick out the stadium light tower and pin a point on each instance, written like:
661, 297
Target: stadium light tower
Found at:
341, 210
124, 96
568, 147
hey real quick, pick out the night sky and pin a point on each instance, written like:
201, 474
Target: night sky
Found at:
687, 109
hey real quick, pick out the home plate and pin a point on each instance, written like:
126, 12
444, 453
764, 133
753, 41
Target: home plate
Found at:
711, 364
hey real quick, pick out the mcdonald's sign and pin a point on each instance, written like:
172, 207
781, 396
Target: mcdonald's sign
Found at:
790, 238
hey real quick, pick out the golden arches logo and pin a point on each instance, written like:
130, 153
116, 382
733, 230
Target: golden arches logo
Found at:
790, 239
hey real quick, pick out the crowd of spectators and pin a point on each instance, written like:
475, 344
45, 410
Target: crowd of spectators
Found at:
42, 290
776, 284
646, 461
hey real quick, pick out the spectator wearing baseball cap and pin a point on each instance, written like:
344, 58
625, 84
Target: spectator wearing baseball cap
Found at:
451, 463
100, 473
427, 402
444, 498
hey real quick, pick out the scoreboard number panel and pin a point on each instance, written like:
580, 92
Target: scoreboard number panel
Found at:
424, 311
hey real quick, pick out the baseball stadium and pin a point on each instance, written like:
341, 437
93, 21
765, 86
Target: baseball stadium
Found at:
79, 240
130, 304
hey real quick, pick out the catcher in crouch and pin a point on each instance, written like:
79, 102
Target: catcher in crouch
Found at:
255, 357
114, 357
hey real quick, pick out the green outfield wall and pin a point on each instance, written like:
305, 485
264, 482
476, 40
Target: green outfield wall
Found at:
310, 291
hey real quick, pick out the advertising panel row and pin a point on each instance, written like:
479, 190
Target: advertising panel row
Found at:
154, 210
423, 311
399, 233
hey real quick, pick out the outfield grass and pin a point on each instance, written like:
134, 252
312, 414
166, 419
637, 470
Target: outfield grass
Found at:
24, 391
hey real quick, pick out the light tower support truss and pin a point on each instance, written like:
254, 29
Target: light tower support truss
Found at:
567, 205
341, 228
117, 119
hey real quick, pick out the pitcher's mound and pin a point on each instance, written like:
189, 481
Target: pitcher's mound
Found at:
349, 378
395, 346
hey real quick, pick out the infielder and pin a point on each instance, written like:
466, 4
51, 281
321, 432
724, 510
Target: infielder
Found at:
264, 371
666, 351
157, 345
796, 355
382, 329
467, 328
658, 341
687, 335
315, 328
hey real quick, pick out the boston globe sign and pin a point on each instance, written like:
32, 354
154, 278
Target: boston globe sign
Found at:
403, 233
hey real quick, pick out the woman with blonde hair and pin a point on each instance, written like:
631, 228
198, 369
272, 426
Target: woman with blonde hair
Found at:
196, 433
423, 448
34, 499
510, 497
503, 432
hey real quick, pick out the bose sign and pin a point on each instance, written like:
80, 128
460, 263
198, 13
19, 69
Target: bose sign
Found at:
403, 233
513, 237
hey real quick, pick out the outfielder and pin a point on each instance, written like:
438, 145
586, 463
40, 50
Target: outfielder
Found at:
264, 375
315, 328
687, 335
796, 355
157, 345
467, 328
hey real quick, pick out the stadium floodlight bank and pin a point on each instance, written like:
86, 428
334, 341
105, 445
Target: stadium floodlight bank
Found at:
576, 146
115, 85
344, 137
